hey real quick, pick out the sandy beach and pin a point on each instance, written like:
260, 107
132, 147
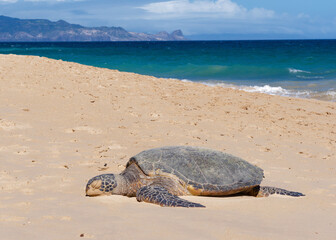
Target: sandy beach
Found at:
62, 123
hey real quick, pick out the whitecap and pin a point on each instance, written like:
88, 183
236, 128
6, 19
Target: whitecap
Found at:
329, 95
293, 70
265, 89
326, 96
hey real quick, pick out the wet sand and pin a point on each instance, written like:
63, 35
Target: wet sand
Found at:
62, 123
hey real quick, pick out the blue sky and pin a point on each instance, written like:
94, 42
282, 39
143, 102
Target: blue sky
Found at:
198, 19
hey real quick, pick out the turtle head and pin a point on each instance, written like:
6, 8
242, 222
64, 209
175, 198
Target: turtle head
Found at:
101, 185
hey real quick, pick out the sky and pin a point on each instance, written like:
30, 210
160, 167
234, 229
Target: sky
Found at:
198, 19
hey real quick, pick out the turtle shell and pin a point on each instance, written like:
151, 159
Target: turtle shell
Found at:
204, 169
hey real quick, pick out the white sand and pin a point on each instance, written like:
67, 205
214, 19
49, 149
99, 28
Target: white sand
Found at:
60, 123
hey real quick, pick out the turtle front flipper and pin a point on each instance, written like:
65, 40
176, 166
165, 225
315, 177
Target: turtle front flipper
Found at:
159, 195
263, 191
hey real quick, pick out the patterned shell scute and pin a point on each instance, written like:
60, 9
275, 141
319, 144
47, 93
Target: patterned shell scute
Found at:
199, 166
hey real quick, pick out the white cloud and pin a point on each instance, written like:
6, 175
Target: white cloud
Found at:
216, 8
262, 13
8, 1
185, 6
303, 16
53, 0
14, 1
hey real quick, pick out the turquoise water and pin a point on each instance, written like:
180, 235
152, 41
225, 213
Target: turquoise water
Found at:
304, 68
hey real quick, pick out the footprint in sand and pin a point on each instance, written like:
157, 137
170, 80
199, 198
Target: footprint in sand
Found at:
9, 126
87, 129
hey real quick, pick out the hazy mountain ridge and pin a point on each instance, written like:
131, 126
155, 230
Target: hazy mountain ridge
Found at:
39, 30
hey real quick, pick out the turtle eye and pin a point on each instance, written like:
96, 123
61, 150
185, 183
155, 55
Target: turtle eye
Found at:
93, 188
102, 184
96, 184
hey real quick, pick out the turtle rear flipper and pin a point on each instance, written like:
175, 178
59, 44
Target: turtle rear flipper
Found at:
159, 195
263, 191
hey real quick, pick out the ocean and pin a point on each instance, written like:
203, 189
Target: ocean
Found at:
293, 68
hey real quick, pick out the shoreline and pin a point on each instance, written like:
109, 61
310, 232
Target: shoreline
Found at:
299, 69
62, 123
329, 95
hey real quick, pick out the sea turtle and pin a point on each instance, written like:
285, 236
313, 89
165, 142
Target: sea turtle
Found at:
160, 175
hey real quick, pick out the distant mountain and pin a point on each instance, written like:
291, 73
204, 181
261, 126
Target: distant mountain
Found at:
41, 30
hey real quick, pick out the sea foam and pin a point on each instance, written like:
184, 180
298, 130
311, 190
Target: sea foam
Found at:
323, 95
265, 89
329, 95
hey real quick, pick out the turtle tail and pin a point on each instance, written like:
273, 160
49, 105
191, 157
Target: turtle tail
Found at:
263, 191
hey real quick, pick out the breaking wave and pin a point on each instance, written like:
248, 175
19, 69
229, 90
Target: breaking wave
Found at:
326, 95
329, 95
293, 70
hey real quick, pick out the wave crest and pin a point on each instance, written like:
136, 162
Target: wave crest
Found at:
293, 70
329, 95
